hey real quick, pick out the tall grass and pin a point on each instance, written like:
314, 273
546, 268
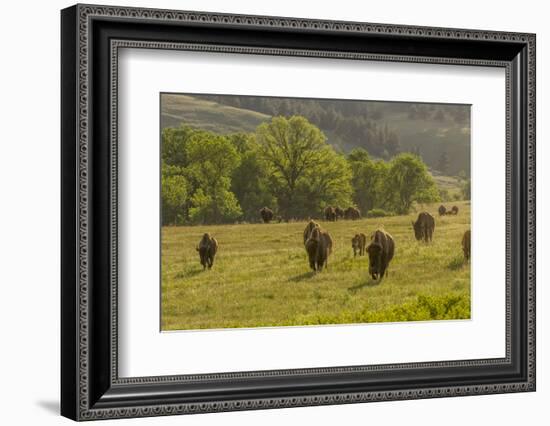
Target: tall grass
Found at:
261, 276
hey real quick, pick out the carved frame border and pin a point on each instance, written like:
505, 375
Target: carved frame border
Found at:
87, 12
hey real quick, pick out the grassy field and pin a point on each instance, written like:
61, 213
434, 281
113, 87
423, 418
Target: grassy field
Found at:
261, 276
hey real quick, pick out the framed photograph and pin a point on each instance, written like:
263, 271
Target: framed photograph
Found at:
263, 212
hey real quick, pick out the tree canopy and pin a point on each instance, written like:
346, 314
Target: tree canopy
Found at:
409, 181
286, 165
305, 173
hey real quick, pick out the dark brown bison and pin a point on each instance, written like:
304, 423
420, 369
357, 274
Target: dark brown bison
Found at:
318, 247
424, 227
266, 214
309, 227
352, 213
330, 214
455, 210
207, 248
466, 244
339, 213
442, 210
358, 243
380, 250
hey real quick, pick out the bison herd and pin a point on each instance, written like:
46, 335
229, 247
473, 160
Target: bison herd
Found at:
443, 210
332, 214
318, 242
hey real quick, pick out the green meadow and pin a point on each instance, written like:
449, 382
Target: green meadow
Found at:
261, 276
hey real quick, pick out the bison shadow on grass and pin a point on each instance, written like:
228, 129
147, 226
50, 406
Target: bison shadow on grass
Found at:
190, 273
302, 277
368, 282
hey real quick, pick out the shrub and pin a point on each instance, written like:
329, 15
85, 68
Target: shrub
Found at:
378, 213
424, 308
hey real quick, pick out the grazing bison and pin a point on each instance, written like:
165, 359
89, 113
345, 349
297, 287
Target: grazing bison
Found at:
352, 213
358, 243
442, 210
318, 247
466, 244
454, 210
380, 250
330, 214
207, 248
339, 213
309, 227
266, 214
424, 227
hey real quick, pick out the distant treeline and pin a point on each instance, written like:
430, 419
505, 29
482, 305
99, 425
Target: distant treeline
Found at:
349, 120
286, 165
353, 122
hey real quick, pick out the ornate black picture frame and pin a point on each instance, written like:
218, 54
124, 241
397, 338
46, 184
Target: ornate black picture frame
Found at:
91, 36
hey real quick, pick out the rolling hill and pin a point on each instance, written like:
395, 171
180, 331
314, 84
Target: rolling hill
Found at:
208, 115
430, 129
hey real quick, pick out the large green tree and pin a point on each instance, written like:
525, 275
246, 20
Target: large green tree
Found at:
408, 182
174, 198
368, 180
328, 184
299, 165
197, 166
212, 159
250, 184
174, 141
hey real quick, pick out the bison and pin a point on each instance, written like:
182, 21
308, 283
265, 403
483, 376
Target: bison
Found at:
424, 227
380, 250
454, 210
466, 244
442, 210
266, 214
339, 212
318, 247
207, 248
309, 227
330, 214
352, 213
358, 243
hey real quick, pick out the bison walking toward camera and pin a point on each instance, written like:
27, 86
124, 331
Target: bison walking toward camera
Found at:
424, 227
318, 247
266, 214
454, 210
352, 213
330, 214
311, 225
442, 210
466, 244
359, 243
207, 248
381, 251
339, 212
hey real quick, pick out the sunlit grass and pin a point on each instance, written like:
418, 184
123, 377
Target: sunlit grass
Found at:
261, 276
